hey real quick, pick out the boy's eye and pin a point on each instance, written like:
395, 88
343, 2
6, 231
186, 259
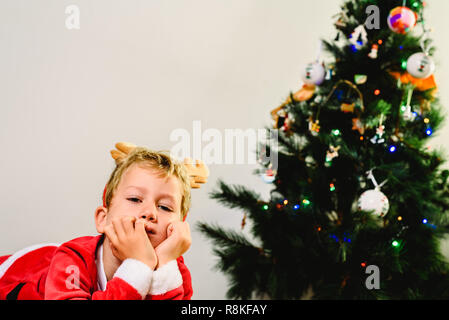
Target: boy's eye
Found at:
165, 208
137, 200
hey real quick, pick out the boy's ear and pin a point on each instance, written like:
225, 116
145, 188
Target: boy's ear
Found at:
100, 218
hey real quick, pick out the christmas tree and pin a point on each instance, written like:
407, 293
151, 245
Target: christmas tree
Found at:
356, 192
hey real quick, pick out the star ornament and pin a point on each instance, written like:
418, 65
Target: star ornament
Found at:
314, 127
358, 125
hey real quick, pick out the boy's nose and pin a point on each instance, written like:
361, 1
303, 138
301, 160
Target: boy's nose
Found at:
149, 215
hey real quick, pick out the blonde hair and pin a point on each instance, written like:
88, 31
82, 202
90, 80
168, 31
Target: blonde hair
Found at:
159, 160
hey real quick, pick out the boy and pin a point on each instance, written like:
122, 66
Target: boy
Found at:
137, 255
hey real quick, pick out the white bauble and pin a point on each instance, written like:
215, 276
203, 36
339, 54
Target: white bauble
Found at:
374, 200
314, 73
420, 65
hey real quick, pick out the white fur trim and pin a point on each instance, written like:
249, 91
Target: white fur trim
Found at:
9, 262
137, 274
166, 278
101, 276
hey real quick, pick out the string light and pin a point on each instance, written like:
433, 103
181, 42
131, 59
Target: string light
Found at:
424, 221
404, 64
399, 218
306, 202
296, 207
336, 132
392, 149
395, 243
426, 120
265, 207
285, 202
332, 187
429, 131
363, 264
376, 92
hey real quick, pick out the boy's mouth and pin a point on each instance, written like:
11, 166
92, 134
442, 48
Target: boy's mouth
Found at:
149, 230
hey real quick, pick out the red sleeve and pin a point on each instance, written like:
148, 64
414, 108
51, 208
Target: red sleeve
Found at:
186, 279
70, 277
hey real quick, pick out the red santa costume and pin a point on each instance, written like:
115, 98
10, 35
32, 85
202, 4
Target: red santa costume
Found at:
74, 270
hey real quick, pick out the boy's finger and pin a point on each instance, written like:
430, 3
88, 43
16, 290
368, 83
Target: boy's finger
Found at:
110, 233
128, 224
170, 229
116, 222
140, 225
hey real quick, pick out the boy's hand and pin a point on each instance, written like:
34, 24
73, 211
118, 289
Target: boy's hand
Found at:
129, 239
178, 241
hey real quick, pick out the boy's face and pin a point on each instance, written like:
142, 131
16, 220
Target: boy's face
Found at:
142, 193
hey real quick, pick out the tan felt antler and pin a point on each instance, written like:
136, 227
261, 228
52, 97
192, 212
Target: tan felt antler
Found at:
198, 172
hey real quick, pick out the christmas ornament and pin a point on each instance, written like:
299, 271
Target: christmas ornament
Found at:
314, 127
358, 125
374, 50
333, 216
358, 38
346, 107
339, 93
282, 121
243, 221
360, 78
310, 162
374, 200
377, 139
420, 65
314, 73
402, 20
330, 72
342, 19
408, 114
281, 118
331, 154
269, 175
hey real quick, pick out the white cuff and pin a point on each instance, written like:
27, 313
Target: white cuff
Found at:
166, 278
137, 274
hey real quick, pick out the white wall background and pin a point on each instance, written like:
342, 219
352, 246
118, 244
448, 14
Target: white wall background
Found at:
135, 71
